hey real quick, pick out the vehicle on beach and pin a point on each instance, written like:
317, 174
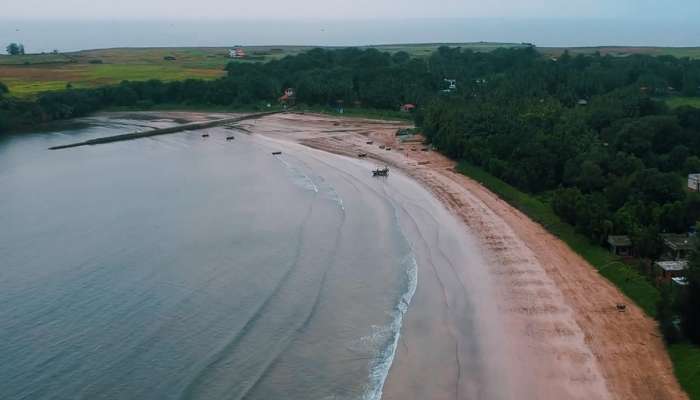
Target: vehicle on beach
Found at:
381, 172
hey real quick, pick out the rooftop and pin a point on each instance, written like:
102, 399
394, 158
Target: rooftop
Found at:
681, 281
677, 242
619, 240
670, 266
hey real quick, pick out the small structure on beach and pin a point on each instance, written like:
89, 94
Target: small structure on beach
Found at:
671, 269
677, 247
694, 182
237, 52
620, 245
408, 107
381, 172
288, 99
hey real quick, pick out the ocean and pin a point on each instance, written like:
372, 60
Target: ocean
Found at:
183, 267
71, 35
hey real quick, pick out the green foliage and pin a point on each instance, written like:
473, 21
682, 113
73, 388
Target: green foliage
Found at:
686, 363
691, 300
15, 49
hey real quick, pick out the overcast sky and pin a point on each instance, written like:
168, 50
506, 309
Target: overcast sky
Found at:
339, 9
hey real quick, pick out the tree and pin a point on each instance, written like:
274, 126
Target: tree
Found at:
691, 302
15, 49
3, 89
665, 314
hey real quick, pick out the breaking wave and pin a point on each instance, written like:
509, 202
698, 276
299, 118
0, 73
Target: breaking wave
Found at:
390, 333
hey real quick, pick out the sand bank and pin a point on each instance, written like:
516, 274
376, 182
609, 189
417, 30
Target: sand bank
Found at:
557, 324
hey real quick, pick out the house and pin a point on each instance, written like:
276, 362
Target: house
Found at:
451, 85
680, 281
582, 102
408, 107
677, 247
237, 52
620, 245
671, 269
289, 97
694, 182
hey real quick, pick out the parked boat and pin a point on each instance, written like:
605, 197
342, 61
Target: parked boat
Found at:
205, 135
276, 153
228, 138
381, 172
362, 155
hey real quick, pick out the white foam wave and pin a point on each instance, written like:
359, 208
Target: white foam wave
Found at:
390, 333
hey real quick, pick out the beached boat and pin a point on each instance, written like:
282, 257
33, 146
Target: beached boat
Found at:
362, 155
381, 172
276, 153
228, 138
205, 135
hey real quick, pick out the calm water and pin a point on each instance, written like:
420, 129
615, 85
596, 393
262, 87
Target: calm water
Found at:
78, 35
189, 268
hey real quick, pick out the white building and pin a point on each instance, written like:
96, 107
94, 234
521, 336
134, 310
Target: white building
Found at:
694, 182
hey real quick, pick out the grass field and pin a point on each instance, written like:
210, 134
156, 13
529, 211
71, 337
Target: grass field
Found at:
686, 362
31, 74
621, 51
674, 102
685, 356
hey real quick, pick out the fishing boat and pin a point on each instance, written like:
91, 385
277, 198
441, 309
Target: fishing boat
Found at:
362, 155
381, 172
205, 135
276, 153
229, 138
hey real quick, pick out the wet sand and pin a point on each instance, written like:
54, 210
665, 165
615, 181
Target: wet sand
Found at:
545, 310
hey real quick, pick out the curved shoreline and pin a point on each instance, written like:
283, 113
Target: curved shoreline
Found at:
562, 326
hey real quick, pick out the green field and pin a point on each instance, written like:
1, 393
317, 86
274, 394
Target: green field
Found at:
674, 102
622, 51
31, 74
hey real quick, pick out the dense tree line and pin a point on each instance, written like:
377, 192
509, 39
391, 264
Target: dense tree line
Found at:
591, 135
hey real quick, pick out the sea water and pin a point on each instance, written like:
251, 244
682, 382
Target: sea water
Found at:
182, 267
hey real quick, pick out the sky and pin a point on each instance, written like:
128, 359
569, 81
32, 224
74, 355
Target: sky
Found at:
347, 9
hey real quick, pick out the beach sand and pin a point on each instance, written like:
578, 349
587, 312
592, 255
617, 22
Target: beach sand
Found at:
556, 333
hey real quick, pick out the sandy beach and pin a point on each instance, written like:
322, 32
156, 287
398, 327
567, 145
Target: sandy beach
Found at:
556, 325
